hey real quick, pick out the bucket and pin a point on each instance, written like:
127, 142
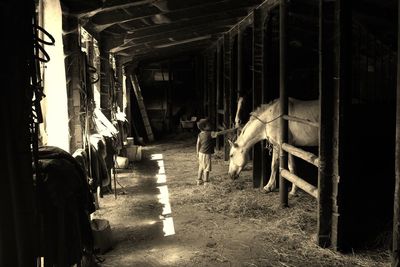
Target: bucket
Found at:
130, 141
121, 162
102, 235
134, 153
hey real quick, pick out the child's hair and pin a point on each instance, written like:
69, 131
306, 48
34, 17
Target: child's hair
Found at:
204, 125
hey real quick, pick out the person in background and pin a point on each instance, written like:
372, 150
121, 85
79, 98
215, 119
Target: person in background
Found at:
205, 148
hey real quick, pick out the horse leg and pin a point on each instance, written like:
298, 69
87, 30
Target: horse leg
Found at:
292, 169
271, 185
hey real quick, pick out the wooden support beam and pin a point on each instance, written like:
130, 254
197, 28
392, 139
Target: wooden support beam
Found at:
300, 153
309, 188
396, 209
239, 63
283, 101
341, 102
227, 88
205, 87
325, 175
258, 47
219, 88
104, 82
213, 79
120, 93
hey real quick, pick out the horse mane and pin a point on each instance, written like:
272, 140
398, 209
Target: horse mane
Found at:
262, 108
258, 111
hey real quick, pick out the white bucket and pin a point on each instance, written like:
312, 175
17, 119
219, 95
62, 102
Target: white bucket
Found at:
134, 153
121, 162
130, 141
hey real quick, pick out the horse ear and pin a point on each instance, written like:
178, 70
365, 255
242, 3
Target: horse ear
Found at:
232, 144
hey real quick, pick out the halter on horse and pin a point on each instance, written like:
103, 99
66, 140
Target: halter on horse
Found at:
264, 125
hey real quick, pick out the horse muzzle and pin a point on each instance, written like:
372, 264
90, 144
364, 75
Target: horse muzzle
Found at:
233, 176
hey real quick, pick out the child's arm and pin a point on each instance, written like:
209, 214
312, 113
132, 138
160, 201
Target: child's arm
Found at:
197, 146
214, 134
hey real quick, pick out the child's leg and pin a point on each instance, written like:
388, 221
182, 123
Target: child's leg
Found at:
207, 169
200, 176
206, 176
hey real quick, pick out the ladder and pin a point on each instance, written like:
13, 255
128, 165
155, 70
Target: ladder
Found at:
139, 97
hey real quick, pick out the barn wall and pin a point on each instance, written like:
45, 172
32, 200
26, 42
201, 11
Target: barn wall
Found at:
56, 130
72, 62
170, 93
367, 189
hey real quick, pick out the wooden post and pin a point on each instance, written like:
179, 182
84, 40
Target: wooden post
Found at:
218, 88
396, 211
341, 101
212, 87
325, 177
120, 92
205, 87
227, 88
283, 101
72, 68
258, 148
128, 92
169, 91
239, 70
105, 86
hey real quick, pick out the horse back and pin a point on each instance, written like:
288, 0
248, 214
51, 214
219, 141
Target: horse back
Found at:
299, 133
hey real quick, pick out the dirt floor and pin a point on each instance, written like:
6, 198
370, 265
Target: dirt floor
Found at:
162, 218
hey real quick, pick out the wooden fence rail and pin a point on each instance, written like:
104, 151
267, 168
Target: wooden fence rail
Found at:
309, 188
300, 153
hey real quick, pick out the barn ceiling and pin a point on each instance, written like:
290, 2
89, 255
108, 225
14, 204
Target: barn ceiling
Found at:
141, 29
151, 28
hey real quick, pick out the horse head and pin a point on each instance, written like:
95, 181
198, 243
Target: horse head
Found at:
238, 158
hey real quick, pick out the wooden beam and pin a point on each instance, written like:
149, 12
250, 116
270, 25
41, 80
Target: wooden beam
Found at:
258, 63
300, 153
126, 15
396, 208
219, 77
283, 100
325, 175
309, 188
341, 103
168, 37
227, 88
110, 8
186, 26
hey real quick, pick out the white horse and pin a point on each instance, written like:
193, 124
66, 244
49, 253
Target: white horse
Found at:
264, 124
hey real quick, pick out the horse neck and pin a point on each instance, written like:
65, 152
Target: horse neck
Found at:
256, 130
254, 133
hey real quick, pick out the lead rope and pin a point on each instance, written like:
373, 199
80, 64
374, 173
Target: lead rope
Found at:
269, 145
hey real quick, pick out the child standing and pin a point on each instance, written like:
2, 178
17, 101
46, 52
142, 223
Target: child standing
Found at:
204, 149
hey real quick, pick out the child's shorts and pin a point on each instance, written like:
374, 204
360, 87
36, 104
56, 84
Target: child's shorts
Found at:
205, 161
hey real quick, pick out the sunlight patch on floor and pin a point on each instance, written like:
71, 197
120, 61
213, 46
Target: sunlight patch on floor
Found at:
163, 197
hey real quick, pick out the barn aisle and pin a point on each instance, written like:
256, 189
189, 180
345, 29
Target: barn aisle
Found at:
165, 219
